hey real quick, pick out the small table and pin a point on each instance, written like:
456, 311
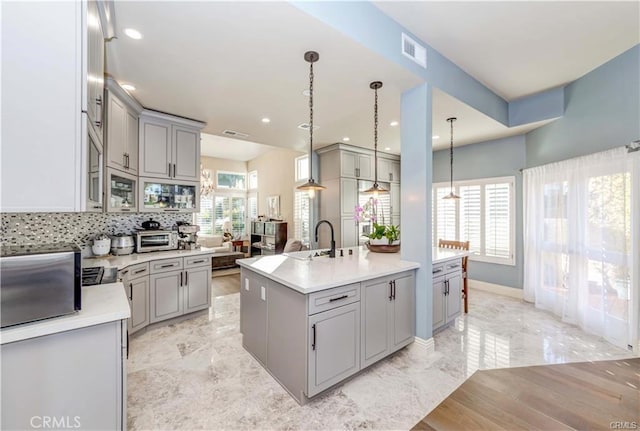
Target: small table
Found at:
237, 244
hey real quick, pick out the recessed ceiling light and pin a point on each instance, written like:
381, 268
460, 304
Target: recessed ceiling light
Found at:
345, 139
132, 33
387, 148
435, 137
266, 120
128, 87
393, 123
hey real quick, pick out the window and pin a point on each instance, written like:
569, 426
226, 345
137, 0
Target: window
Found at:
484, 215
252, 206
231, 180
302, 169
253, 180
220, 211
301, 216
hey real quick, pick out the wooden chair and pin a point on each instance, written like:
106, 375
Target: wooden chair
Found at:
459, 245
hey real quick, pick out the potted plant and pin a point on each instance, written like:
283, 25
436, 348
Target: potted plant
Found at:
384, 235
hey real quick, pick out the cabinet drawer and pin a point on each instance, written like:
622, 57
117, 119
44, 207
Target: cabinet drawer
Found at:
453, 266
332, 298
139, 270
437, 269
195, 261
165, 265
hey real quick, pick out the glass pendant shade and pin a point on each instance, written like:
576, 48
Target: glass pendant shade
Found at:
311, 186
375, 189
451, 194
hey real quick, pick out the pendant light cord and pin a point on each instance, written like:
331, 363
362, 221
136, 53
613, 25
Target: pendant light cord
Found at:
451, 157
311, 120
375, 136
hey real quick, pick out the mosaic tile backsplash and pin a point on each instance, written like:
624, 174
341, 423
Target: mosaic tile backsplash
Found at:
47, 228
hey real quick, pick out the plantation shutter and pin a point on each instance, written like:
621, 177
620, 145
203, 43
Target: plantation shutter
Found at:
497, 220
204, 218
301, 216
471, 216
446, 215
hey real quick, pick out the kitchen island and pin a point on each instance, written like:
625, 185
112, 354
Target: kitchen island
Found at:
313, 322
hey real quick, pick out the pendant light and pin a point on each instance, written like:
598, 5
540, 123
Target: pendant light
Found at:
375, 189
311, 186
451, 195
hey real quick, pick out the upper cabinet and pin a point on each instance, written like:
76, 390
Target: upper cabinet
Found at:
388, 170
54, 76
356, 165
169, 147
122, 129
93, 102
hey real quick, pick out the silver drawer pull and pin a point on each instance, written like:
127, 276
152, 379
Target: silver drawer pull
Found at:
338, 298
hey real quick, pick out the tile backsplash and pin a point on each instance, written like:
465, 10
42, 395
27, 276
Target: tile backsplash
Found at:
47, 228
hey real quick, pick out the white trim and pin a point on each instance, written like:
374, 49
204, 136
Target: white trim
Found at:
498, 289
429, 344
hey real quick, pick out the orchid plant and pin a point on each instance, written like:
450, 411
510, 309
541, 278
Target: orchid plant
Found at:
369, 213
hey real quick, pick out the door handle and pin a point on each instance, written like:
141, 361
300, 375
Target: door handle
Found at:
180, 278
131, 290
174, 170
313, 342
186, 278
338, 298
169, 265
394, 290
390, 290
169, 169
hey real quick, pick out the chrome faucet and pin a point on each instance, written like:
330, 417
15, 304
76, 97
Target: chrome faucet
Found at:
332, 252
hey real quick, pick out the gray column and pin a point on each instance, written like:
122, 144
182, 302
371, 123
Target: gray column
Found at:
416, 172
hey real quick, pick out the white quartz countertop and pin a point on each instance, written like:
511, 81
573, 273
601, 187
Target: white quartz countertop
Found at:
100, 304
320, 273
440, 255
132, 259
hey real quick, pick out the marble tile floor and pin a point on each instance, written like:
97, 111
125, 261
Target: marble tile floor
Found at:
195, 374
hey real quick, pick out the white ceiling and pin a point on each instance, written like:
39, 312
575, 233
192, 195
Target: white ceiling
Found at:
231, 149
232, 63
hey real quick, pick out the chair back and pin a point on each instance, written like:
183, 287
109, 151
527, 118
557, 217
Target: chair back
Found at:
455, 245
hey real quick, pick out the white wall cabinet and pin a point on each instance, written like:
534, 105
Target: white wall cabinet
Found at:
447, 292
388, 170
56, 86
356, 165
169, 147
122, 129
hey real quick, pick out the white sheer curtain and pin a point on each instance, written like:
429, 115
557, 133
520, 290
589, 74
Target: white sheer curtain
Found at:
581, 226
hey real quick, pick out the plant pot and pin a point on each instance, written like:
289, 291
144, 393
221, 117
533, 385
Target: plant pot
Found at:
383, 248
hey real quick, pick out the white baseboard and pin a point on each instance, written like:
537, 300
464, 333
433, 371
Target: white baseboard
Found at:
429, 344
498, 289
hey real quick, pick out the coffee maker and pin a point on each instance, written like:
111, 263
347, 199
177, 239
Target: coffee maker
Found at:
187, 236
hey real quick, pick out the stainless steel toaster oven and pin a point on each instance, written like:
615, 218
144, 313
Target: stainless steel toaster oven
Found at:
39, 282
156, 240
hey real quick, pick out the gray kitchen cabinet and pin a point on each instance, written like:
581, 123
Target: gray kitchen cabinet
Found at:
447, 292
197, 292
348, 196
388, 321
122, 129
349, 232
95, 68
395, 171
85, 383
356, 165
166, 296
253, 306
395, 203
334, 350
169, 147
136, 283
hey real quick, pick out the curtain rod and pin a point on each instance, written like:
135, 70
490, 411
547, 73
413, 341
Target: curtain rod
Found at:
631, 147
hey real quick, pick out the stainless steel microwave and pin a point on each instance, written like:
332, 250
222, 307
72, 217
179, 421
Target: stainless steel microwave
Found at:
156, 240
38, 282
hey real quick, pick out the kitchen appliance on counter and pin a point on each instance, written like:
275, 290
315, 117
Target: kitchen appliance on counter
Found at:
99, 275
122, 244
151, 224
156, 240
187, 236
38, 282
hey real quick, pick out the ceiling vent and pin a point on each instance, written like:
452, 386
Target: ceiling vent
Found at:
235, 134
305, 126
413, 50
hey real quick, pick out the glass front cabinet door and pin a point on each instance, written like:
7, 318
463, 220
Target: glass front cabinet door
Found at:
121, 191
169, 196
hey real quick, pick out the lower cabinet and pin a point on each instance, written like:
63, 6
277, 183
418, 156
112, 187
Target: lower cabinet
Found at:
197, 288
253, 314
447, 292
334, 351
139, 302
388, 319
76, 379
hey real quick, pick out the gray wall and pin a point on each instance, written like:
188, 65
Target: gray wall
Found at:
602, 111
499, 158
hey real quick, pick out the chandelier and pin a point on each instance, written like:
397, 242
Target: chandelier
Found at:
206, 182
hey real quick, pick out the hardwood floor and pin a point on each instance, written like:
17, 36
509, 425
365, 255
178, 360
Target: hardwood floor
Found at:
225, 285
586, 395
